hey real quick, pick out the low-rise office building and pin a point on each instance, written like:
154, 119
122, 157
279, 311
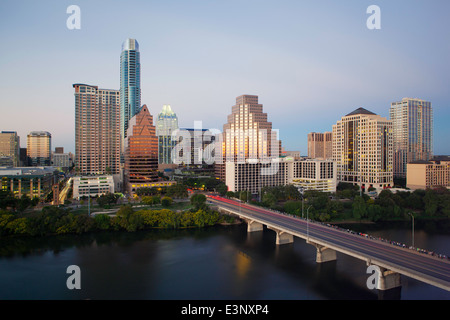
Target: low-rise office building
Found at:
305, 174
30, 181
313, 174
428, 174
93, 186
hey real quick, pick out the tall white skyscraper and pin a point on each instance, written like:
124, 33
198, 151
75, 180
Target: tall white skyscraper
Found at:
130, 84
166, 123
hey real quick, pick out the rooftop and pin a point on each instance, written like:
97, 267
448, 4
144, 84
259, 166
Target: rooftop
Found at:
360, 111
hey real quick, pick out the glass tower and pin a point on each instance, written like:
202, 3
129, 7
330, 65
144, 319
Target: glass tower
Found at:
166, 123
39, 148
413, 132
9, 148
130, 84
141, 151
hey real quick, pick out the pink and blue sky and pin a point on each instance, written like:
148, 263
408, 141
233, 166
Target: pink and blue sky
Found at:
310, 62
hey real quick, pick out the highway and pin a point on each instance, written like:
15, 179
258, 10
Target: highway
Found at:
421, 266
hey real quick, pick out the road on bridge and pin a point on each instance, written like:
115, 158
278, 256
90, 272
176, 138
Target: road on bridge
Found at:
424, 267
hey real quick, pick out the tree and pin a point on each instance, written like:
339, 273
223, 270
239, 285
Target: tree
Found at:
230, 194
292, 192
166, 201
198, 200
431, 202
102, 221
222, 189
293, 207
107, 199
359, 208
245, 196
125, 211
269, 199
7, 199
83, 223
151, 200
23, 203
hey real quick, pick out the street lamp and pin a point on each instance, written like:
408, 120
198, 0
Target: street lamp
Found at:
307, 223
412, 227
89, 199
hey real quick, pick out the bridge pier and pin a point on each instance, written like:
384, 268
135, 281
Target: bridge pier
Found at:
283, 237
324, 254
388, 279
253, 226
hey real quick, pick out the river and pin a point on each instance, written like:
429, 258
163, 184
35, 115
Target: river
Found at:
216, 263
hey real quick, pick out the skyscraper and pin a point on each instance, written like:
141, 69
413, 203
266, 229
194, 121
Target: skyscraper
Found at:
362, 149
9, 149
412, 121
97, 130
320, 145
130, 84
39, 148
141, 151
246, 135
166, 123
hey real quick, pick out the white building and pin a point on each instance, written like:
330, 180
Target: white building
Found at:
92, 185
313, 174
61, 160
305, 174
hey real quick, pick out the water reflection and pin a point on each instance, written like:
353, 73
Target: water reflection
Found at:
210, 263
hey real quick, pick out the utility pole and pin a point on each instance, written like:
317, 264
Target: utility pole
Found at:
307, 224
412, 227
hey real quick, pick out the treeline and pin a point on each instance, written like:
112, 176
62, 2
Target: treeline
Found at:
174, 191
7, 200
53, 220
348, 203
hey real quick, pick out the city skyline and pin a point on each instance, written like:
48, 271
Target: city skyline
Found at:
309, 63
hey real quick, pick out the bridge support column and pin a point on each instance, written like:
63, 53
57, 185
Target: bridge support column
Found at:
324, 254
283, 237
388, 279
253, 226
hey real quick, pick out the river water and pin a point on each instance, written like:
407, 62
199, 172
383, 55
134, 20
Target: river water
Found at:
217, 263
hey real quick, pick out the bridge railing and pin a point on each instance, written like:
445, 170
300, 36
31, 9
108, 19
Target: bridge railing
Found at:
391, 242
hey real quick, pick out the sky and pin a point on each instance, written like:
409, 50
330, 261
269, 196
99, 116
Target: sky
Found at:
310, 62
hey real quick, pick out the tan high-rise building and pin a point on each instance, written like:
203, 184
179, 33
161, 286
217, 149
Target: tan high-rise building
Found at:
320, 145
362, 149
9, 149
39, 145
246, 135
412, 121
141, 151
97, 130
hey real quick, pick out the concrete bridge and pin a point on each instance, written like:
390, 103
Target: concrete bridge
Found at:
392, 261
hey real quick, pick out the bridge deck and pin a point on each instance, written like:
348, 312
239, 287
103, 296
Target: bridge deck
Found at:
423, 267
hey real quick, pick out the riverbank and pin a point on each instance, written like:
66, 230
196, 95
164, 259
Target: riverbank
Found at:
53, 220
